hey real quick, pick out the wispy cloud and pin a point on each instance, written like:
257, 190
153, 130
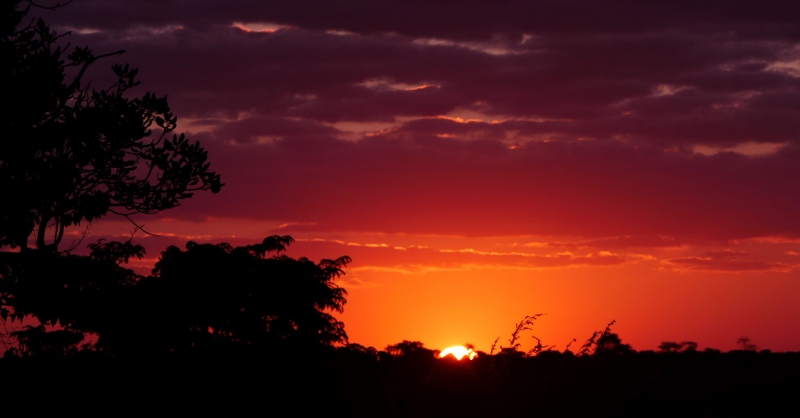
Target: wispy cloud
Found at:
727, 261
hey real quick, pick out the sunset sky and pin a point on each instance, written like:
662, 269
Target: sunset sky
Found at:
482, 161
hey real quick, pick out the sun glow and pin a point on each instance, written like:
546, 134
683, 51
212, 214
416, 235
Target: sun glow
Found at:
459, 352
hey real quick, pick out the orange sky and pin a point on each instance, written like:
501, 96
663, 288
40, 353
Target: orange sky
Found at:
449, 290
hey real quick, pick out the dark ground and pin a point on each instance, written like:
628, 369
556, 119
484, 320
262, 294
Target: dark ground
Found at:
353, 383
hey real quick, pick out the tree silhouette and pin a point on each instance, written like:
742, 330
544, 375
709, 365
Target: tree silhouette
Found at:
207, 298
611, 343
673, 347
408, 348
217, 294
79, 294
37, 341
746, 344
604, 341
72, 153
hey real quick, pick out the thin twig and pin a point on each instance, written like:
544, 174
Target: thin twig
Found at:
56, 6
76, 244
494, 344
137, 226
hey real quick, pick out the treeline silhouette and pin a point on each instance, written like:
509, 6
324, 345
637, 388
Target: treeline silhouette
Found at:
603, 384
409, 380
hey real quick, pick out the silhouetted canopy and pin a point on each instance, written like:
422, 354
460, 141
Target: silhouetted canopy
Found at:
209, 297
72, 153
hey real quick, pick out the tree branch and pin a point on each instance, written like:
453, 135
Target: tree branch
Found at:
137, 226
54, 7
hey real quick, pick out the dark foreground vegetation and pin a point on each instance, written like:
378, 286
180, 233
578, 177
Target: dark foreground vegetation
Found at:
355, 382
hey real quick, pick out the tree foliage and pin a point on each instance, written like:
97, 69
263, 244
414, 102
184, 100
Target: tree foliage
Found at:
610, 343
72, 153
408, 348
217, 293
79, 294
206, 297
674, 347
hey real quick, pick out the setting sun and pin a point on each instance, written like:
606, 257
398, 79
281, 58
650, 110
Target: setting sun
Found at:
459, 352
